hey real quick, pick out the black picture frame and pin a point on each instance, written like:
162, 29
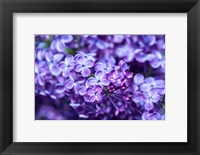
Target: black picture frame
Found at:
8, 7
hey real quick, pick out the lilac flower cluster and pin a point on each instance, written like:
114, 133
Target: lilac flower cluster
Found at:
100, 77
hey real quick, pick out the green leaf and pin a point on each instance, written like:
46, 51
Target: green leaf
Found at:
91, 75
70, 51
48, 43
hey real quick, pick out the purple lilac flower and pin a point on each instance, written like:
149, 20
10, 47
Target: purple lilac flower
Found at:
82, 65
158, 60
151, 116
41, 70
53, 61
118, 38
105, 67
100, 77
74, 81
67, 65
94, 93
147, 40
59, 43
126, 53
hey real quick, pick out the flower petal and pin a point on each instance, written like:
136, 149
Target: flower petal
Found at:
41, 80
150, 57
65, 72
91, 98
60, 46
80, 79
99, 66
138, 79
118, 38
57, 57
68, 59
78, 67
49, 56
54, 69
105, 82
59, 89
98, 97
155, 63
40, 55
101, 44
99, 75
155, 98
90, 91
145, 87
53, 45
148, 105
76, 87
83, 116
140, 57
159, 83
85, 72
158, 54
82, 90
92, 81
61, 80
69, 84
72, 75
43, 70
98, 89
149, 80
154, 116
89, 63
66, 38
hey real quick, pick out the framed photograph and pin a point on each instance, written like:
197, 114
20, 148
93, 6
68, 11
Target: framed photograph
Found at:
99, 77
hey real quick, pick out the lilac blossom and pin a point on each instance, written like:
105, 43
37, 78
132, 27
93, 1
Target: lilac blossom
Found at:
94, 93
100, 77
158, 60
74, 81
67, 65
105, 67
83, 65
126, 53
53, 61
60, 41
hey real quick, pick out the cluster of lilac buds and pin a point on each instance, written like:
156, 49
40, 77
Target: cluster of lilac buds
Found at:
100, 77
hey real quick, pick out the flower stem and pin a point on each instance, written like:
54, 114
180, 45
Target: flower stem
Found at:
113, 103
